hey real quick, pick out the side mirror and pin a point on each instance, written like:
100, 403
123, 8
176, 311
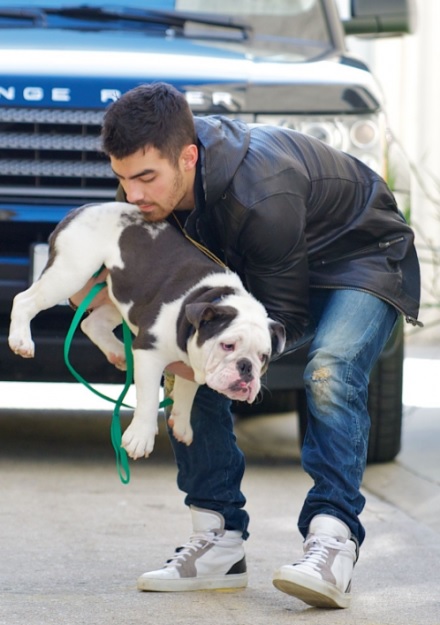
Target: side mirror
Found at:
381, 18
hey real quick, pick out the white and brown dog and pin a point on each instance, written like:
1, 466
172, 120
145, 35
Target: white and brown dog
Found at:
179, 304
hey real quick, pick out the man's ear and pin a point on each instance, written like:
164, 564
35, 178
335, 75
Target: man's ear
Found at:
278, 336
189, 156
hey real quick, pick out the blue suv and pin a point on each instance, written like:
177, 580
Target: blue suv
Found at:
280, 62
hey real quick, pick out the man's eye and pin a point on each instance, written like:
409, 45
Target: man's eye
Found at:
228, 347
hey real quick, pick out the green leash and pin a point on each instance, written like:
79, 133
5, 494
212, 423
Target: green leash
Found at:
82, 308
122, 464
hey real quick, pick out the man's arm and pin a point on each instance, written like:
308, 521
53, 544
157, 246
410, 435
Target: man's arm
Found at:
100, 298
181, 369
274, 250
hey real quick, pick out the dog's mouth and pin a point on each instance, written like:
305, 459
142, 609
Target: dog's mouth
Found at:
241, 391
234, 386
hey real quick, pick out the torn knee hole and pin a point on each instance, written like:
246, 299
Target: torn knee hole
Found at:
321, 375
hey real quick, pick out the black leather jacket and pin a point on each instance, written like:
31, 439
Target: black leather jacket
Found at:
289, 213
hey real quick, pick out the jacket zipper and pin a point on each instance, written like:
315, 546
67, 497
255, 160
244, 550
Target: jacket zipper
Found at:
382, 245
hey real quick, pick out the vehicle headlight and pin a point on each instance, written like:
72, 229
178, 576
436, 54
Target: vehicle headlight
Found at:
362, 136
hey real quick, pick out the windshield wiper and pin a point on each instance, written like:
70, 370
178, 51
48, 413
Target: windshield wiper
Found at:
171, 19
33, 15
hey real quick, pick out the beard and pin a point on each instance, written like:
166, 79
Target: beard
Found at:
155, 212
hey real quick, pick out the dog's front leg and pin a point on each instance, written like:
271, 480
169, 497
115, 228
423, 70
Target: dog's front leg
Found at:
41, 295
56, 283
183, 395
138, 438
99, 326
23, 311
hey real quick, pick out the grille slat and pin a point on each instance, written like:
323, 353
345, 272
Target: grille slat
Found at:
43, 149
58, 169
32, 141
51, 116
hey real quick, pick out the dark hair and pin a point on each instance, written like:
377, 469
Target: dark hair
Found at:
155, 115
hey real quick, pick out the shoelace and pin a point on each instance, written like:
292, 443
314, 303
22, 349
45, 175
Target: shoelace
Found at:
197, 541
316, 551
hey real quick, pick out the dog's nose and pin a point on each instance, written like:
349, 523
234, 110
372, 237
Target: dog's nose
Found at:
244, 367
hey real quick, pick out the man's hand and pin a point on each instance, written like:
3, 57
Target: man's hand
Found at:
100, 298
181, 369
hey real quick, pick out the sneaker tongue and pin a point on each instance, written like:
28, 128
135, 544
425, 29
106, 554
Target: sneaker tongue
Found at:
206, 520
327, 525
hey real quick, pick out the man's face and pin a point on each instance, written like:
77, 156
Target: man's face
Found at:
154, 184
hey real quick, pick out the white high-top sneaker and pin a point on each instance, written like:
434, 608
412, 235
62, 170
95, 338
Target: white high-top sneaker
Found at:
212, 559
322, 577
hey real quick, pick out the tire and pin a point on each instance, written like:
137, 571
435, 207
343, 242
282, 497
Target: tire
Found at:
384, 402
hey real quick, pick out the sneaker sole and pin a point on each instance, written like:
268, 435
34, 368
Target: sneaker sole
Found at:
312, 591
189, 584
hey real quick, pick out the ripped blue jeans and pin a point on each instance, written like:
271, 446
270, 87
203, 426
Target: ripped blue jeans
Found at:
352, 329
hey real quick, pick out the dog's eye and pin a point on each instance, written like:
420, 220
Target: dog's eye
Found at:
264, 358
228, 347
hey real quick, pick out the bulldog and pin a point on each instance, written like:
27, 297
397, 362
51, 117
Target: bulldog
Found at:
179, 304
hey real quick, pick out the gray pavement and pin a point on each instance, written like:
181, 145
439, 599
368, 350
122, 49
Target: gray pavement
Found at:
73, 539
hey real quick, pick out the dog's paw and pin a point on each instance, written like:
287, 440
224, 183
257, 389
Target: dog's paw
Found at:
22, 347
182, 430
118, 360
138, 440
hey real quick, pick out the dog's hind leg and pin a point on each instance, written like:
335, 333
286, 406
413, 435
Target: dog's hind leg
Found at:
183, 395
99, 326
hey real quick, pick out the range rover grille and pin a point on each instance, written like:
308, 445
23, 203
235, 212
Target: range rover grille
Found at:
54, 153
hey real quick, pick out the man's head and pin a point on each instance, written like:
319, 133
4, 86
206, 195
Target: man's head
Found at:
150, 138
153, 115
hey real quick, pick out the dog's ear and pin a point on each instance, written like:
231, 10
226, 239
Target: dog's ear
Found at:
204, 312
278, 336
209, 320
199, 313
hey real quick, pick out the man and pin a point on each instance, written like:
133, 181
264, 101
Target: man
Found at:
317, 238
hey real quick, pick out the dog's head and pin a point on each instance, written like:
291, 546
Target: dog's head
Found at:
232, 344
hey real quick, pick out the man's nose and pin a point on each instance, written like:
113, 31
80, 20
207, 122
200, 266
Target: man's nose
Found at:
133, 191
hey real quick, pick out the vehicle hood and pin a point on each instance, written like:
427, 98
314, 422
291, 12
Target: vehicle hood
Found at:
91, 69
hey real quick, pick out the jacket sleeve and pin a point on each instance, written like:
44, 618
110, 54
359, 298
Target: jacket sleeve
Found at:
274, 250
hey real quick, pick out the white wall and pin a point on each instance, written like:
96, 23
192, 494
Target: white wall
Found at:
408, 70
